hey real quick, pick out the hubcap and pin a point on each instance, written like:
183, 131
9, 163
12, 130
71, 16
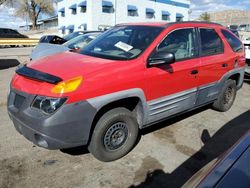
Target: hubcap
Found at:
116, 136
228, 96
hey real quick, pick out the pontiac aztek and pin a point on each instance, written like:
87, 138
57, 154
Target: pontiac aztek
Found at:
131, 77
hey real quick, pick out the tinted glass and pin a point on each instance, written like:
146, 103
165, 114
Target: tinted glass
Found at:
122, 42
181, 43
73, 35
233, 41
13, 31
211, 43
81, 41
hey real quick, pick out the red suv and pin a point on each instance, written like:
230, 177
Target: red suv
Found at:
131, 77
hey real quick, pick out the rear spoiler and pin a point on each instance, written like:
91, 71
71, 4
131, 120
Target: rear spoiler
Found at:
37, 75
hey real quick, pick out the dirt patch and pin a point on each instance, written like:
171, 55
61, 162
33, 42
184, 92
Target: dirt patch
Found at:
185, 150
166, 134
12, 172
149, 164
3, 104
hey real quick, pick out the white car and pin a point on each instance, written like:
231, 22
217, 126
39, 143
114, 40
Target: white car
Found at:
247, 50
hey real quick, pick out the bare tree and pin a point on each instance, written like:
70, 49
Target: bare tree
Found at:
33, 8
6, 2
2, 1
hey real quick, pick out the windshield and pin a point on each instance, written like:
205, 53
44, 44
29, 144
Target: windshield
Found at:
72, 35
80, 41
122, 42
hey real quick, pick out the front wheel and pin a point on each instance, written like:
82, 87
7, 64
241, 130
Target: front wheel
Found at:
114, 136
226, 97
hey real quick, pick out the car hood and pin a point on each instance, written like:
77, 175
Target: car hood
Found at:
46, 49
68, 65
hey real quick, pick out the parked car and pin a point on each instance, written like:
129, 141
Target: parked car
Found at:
234, 31
244, 27
129, 78
247, 50
10, 33
231, 170
73, 45
54, 39
233, 27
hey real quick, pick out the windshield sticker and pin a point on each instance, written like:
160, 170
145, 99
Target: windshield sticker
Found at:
125, 47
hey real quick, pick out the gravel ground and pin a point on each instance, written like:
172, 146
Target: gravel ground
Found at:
167, 155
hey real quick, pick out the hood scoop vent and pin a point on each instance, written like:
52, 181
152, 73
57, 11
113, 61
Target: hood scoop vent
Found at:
37, 75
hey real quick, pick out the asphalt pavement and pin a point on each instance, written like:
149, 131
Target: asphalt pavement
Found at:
167, 154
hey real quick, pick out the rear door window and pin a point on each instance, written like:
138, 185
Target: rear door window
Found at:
233, 41
211, 43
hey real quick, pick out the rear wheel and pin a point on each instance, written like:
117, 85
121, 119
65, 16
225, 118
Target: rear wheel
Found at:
114, 136
226, 97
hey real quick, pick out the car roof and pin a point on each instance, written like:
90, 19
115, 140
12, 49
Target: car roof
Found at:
8, 28
166, 24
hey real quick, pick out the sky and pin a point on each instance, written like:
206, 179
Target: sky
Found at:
7, 18
200, 6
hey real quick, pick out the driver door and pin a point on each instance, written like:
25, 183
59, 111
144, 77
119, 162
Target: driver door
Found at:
173, 88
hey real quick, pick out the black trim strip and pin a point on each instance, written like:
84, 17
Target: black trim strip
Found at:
37, 75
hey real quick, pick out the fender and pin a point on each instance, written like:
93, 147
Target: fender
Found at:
101, 101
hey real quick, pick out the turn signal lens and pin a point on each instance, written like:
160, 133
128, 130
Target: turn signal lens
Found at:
67, 86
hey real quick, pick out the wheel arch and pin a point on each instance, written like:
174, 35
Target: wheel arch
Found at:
133, 100
235, 74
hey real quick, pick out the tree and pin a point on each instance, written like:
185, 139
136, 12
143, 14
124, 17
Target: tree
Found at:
33, 8
2, 1
6, 2
205, 17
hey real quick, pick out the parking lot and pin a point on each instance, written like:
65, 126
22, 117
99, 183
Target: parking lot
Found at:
166, 155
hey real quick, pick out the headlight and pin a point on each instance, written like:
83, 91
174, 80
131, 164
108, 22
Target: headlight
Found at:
48, 105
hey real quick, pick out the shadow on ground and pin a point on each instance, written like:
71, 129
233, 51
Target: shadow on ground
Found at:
213, 147
81, 150
8, 63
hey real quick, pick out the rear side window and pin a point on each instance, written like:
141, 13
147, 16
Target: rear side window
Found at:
233, 41
211, 43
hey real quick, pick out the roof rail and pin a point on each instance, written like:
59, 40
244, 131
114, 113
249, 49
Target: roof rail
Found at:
198, 22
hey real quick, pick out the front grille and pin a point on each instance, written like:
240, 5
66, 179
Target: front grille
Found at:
19, 99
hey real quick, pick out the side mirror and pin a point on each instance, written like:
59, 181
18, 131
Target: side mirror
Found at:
160, 58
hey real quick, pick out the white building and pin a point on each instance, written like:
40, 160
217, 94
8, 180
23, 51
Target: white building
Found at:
76, 15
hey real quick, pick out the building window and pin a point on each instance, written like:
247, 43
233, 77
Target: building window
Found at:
165, 16
62, 11
73, 9
83, 9
62, 29
179, 17
83, 27
107, 7
83, 6
150, 13
132, 10
71, 28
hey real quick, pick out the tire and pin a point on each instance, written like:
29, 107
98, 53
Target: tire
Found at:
114, 136
226, 97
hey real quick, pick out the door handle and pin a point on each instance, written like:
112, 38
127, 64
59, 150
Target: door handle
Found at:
224, 65
193, 72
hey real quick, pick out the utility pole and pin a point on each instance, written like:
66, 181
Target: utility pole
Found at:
115, 12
